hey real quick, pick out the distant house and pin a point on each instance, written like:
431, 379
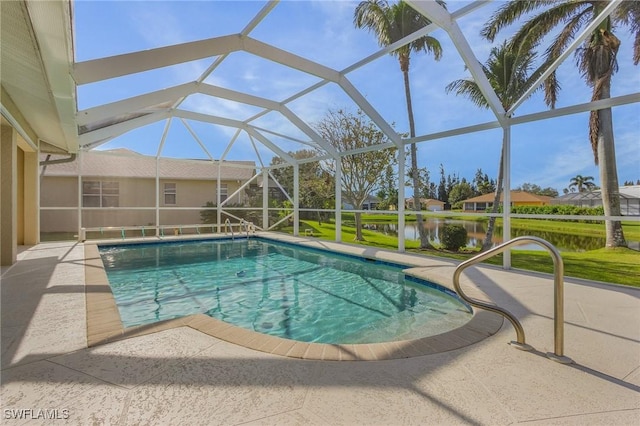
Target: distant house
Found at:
428, 204
118, 188
518, 198
371, 203
629, 199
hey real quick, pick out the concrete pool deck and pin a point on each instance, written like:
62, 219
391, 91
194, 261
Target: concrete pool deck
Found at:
180, 375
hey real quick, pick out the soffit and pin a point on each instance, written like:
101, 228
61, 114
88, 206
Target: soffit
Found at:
32, 35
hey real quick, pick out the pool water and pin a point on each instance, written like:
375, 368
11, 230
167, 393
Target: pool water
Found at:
278, 289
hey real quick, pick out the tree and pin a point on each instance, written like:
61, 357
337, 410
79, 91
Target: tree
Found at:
508, 70
442, 186
582, 183
361, 172
460, 192
451, 182
390, 23
428, 188
388, 191
482, 183
596, 61
532, 188
316, 186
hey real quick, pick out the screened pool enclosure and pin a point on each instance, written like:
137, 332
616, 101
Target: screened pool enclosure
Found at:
194, 137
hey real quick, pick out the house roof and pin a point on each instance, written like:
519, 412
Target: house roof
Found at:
516, 197
124, 163
626, 192
426, 201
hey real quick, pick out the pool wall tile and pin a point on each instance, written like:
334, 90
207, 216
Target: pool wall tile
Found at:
314, 351
297, 350
270, 344
348, 352
331, 352
283, 347
367, 352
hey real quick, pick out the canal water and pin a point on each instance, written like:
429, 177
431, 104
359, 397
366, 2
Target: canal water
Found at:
477, 230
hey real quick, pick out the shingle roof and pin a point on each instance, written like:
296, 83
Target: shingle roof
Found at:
516, 197
426, 201
129, 164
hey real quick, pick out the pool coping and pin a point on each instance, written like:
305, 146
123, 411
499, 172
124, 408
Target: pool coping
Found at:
104, 324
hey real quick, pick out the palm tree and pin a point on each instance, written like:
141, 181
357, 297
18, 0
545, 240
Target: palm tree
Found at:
582, 183
596, 61
390, 23
509, 73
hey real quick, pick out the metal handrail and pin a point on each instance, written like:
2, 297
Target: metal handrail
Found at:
227, 223
558, 281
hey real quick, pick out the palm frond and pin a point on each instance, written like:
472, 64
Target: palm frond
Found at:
507, 70
393, 22
470, 89
568, 33
531, 34
597, 59
373, 15
628, 14
508, 14
427, 44
551, 90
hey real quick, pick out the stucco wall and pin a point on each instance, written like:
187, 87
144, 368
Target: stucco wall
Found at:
59, 191
62, 191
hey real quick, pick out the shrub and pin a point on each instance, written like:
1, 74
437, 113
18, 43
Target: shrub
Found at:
561, 209
453, 237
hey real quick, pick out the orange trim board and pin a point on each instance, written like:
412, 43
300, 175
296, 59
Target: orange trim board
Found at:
104, 325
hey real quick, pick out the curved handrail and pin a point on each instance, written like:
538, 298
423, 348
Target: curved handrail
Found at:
227, 225
558, 267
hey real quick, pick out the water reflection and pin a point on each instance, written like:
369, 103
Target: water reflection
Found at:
476, 232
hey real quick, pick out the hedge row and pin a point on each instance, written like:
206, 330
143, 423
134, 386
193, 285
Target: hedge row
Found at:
560, 209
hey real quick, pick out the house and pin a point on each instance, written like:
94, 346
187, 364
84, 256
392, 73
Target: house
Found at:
118, 188
371, 203
629, 199
518, 198
426, 204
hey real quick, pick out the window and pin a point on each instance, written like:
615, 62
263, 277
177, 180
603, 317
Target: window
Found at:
170, 194
100, 194
223, 192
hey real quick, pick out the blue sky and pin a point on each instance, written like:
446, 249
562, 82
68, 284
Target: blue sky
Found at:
547, 153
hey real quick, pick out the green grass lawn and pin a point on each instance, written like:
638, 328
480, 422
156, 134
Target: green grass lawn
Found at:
618, 266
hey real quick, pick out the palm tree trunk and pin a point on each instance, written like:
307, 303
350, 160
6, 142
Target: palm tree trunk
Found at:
608, 172
488, 238
424, 238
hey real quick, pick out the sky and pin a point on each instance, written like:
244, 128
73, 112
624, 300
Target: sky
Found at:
547, 153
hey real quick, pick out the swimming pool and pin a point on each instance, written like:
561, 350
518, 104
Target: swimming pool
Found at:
279, 289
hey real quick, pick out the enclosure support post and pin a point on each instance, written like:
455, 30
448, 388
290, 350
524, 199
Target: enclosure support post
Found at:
158, 154
79, 160
338, 197
506, 192
265, 199
296, 200
157, 196
218, 206
401, 221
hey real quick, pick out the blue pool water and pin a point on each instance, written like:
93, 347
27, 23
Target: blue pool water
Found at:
278, 289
